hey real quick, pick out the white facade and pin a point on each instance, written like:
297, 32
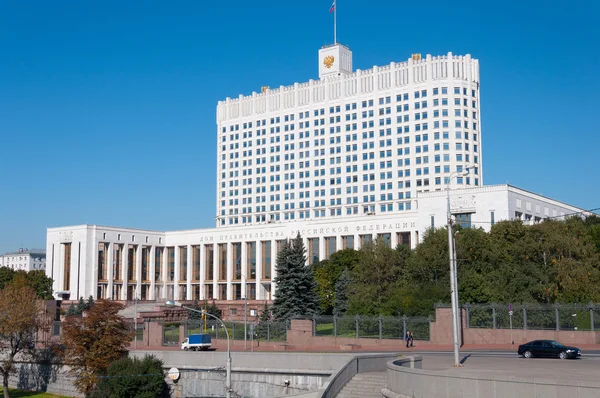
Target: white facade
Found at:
341, 160
482, 207
350, 143
25, 260
229, 263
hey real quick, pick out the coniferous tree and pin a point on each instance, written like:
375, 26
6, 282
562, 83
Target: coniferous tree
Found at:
340, 302
193, 315
296, 287
265, 315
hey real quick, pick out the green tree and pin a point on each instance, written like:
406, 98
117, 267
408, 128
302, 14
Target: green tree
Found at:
376, 280
264, 320
133, 378
327, 273
37, 280
340, 303
6, 276
81, 306
193, 315
212, 309
92, 342
295, 294
41, 283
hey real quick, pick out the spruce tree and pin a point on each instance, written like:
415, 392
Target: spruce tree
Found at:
340, 301
296, 287
194, 315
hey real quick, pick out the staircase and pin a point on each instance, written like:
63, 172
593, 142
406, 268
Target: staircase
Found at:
364, 385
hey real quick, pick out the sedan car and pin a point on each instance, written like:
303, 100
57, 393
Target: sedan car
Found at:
548, 349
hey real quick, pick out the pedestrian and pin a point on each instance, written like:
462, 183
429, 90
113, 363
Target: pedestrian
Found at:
407, 338
412, 339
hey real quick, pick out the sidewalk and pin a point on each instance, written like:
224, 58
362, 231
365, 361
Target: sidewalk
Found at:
401, 347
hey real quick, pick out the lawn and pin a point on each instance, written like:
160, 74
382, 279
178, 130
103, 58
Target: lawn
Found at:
33, 394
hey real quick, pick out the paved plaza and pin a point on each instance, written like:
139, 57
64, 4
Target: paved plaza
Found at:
586, 369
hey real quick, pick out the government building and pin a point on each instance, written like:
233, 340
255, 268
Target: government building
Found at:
342, 160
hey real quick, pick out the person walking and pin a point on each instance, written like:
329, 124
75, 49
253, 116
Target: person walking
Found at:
407, 338
412, 339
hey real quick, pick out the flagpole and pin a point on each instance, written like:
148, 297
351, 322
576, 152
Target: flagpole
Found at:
334, 22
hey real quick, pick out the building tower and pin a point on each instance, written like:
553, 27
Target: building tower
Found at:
350, 143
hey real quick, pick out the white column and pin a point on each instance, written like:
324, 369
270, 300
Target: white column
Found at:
163, 277
273, 269
338, 243
229, 270
394, 239
202, 270
259, 272
244, 265
413, 239
109, 269
138, 272
152, 271
124, 266
357, 241
215, 270
321, 248
188, 277
176, 276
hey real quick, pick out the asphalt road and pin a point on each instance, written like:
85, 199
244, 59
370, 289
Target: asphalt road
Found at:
585, 355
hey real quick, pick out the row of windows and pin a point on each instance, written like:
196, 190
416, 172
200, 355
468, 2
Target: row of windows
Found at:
383, 186
338, 139
317, 213
352, 106
349, 178
366, 115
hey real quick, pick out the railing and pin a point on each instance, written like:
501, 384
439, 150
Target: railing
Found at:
534, 316
380, 327
358, 364
262, 331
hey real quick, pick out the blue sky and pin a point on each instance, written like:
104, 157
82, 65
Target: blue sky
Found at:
107, 108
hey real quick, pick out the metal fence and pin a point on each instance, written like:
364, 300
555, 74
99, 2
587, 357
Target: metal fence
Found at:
534, 316
262, 331
380, 327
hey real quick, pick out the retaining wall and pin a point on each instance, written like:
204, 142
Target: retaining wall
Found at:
418, 383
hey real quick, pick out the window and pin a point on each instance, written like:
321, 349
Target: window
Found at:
464, 220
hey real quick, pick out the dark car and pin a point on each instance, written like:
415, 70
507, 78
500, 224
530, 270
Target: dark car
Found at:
548, 349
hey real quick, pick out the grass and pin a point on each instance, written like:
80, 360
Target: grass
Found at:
33, 394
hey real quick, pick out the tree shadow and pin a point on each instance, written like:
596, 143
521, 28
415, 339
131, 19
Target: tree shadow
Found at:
41, 370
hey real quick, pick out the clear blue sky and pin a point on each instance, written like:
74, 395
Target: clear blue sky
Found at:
107, 108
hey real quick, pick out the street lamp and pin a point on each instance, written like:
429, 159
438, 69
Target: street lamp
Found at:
171, 303
453, 271
245, 320
135, 301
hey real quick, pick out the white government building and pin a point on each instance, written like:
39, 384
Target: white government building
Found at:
340, 160
24, 260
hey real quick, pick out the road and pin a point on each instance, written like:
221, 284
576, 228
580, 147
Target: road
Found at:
593, 355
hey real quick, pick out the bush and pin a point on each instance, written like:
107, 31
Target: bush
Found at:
133, 378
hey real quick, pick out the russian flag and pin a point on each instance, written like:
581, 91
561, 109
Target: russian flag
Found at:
332, 8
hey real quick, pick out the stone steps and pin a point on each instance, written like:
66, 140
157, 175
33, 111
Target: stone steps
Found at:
364, 385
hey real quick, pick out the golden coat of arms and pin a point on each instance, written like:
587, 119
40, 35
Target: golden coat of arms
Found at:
328, 61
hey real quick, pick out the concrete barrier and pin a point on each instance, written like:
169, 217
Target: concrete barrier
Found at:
358, 364
418, 383
258, 374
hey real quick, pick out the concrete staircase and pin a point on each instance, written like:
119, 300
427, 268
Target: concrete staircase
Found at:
364, 385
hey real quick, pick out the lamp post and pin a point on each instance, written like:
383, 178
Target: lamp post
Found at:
135, 301
453, 273
171, 303
245, 321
